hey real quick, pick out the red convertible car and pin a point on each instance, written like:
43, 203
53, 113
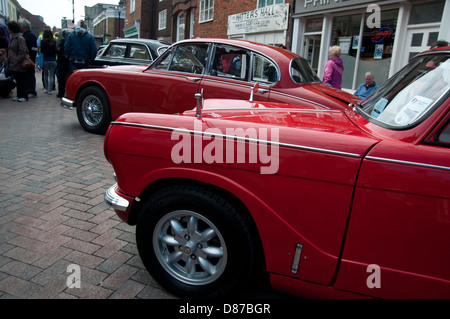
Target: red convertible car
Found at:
330, 203
222, 68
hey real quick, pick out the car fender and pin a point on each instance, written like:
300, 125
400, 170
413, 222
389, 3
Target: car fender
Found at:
278, 238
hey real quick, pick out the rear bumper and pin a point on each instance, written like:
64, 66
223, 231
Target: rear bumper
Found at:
67, 102
121, 203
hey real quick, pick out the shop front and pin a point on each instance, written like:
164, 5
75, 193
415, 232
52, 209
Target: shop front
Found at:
376, 36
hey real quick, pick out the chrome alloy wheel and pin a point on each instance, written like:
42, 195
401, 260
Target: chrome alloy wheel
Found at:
92, 110
189, 247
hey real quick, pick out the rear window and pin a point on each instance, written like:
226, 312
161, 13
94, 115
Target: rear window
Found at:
301, 71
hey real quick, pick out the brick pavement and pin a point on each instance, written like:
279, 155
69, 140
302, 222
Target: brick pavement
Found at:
53, 176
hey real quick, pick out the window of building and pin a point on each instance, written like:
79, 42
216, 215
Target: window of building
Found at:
426, 12
206, 10
345, 29
132, 6
376, 48
265, 3
180, 26
162, 22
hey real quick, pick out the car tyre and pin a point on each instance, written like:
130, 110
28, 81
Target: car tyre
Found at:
93, 110
195, 243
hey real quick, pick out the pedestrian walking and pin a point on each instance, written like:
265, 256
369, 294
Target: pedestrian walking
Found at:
80, 48
17, 53
48, 49
4, 38
6, 82
63, 62
334, 68
31, 42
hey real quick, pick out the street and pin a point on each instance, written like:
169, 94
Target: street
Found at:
53, 176
58, 238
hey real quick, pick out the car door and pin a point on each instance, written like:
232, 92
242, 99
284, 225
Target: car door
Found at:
234, 72
170, 85
399, 230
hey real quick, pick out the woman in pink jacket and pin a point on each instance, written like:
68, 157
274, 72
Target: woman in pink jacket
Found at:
333, 68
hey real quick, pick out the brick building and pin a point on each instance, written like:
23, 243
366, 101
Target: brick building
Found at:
266, 21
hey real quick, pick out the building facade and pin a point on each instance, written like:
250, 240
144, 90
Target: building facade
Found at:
109, 24
265, 21
377, 36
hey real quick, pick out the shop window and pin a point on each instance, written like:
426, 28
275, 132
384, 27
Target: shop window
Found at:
345, 34
427, 12
376, 48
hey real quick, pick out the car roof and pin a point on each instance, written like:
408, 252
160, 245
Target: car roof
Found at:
269, 50
140, 41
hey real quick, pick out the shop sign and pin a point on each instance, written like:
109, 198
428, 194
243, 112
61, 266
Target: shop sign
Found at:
306, 6
381, 34
267, 19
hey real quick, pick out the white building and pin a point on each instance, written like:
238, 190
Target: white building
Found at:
378, 36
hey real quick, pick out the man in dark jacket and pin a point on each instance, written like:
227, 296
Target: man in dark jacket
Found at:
31, 41
80, 48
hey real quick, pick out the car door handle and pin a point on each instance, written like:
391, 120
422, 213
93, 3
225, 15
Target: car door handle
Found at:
193, 79
263, 91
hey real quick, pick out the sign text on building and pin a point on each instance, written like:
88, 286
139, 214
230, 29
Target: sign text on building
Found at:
267, 19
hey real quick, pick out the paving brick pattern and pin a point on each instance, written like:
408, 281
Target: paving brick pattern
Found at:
53, 176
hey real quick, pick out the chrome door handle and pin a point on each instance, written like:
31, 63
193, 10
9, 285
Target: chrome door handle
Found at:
193, 79
263, 91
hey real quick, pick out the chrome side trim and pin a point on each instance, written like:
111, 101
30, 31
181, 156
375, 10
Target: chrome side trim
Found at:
255, 109
393, 161
239, 138
300, 99
114, 200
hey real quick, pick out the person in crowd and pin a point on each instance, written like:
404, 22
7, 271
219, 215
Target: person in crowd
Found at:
6, 82
16, 54
80, 48
31, 42
368, 87
48, 49
4, 38
334, 68
63, 62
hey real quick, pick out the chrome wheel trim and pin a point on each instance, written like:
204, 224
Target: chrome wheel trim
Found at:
190, 247
92, 110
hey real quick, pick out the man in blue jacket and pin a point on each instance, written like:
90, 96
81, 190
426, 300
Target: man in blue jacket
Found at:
368, 87
80, 48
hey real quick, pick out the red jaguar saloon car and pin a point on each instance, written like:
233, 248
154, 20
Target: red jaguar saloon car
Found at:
330, 203
222, 68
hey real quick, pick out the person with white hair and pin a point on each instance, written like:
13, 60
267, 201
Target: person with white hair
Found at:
334, 68
31, 41
368, 87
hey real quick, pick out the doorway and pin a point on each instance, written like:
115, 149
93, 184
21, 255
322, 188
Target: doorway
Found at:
312, 51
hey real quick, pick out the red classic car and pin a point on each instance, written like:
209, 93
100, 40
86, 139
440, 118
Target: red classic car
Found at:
222, 68
331, 203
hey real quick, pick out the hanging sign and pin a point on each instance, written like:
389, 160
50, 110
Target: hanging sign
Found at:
270, 18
